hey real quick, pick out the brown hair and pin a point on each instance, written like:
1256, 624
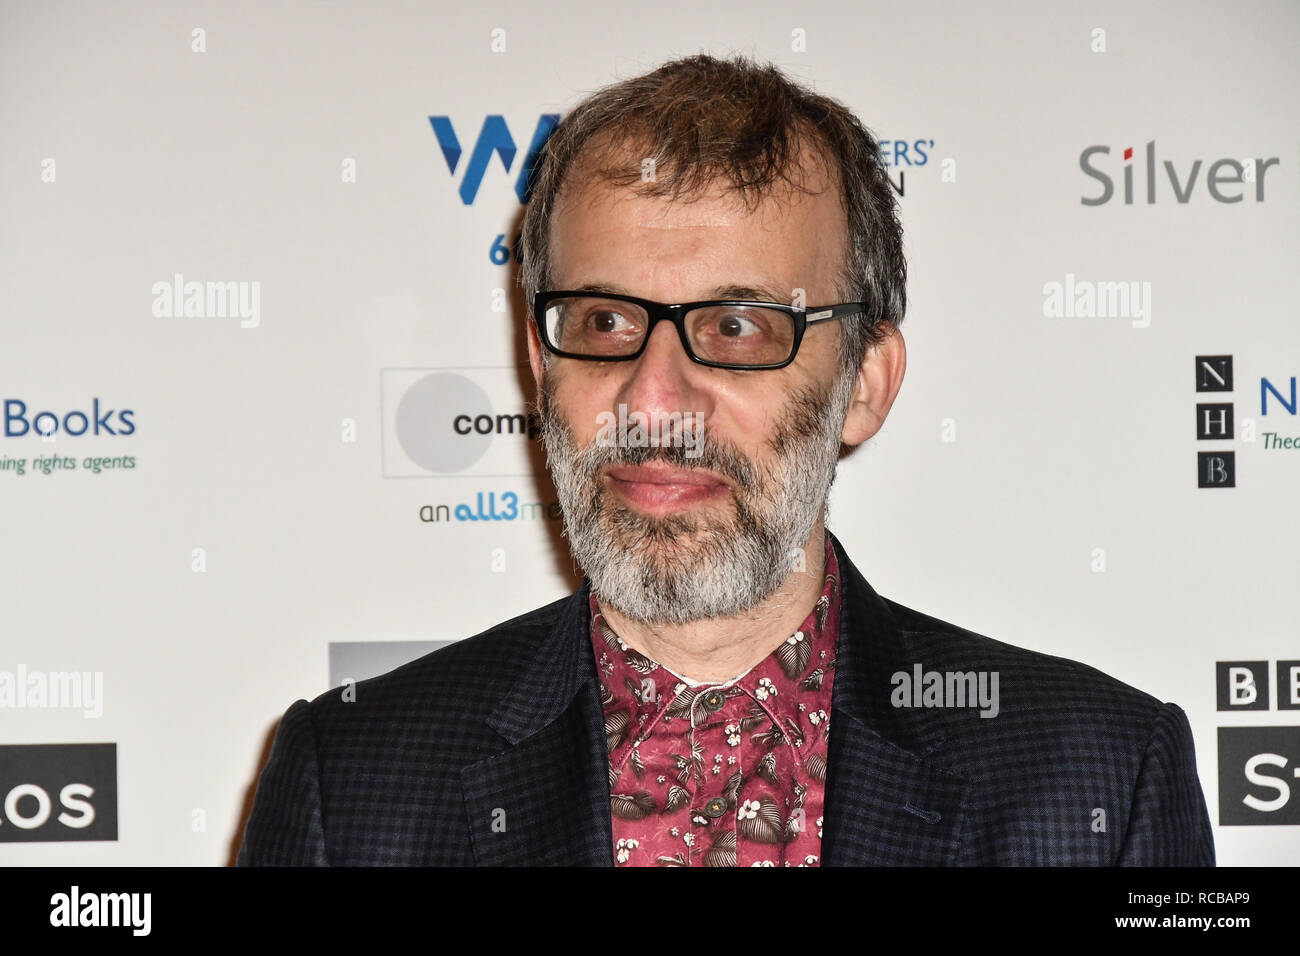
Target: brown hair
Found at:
702, 119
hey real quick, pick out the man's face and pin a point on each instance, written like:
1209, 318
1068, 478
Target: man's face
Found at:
670, 533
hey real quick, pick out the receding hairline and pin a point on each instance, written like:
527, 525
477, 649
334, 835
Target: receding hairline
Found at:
616, 155
613, 157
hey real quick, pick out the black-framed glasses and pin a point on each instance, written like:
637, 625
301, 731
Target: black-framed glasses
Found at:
721, 333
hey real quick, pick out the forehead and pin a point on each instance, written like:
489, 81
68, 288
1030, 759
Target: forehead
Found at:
789, 236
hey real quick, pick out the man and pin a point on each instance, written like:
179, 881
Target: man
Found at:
725, 689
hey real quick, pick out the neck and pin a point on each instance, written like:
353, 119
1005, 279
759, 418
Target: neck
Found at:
717, 649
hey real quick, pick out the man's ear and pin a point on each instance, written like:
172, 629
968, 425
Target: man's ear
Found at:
880, 376
535, 352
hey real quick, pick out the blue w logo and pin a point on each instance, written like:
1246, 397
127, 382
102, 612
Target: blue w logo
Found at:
493, 138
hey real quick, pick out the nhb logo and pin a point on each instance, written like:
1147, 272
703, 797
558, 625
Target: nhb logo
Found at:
1214, 421
494, 137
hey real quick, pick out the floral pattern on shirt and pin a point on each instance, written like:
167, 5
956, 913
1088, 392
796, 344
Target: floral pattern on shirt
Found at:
721, 775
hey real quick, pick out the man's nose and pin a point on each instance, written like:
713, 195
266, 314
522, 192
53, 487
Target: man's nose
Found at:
663, 379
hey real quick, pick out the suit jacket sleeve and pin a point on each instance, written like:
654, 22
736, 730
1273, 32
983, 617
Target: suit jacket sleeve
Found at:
1168, 823
285, 826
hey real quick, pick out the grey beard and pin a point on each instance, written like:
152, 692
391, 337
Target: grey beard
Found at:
674, 569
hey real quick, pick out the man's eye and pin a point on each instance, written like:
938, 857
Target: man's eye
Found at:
735, 326
607, 322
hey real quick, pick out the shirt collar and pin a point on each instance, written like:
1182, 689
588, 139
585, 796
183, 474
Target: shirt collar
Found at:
797, 665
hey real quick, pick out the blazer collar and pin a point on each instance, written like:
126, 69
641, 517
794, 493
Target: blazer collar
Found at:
888, 800
544, 800
561, 667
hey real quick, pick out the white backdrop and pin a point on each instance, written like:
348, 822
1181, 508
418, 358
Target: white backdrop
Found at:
1036, 482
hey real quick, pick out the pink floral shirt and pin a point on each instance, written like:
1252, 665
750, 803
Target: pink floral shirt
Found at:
730, 774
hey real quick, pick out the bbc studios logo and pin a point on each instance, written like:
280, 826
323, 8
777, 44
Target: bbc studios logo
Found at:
51, 793
1259, 767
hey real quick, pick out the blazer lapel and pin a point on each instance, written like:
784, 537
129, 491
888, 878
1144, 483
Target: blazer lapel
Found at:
544, 800
887, 802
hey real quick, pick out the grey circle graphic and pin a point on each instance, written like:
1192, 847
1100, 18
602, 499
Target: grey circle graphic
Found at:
425, 417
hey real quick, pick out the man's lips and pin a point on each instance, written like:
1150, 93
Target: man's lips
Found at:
664, 475
662, 488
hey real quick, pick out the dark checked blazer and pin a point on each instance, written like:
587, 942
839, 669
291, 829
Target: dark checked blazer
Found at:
415, 771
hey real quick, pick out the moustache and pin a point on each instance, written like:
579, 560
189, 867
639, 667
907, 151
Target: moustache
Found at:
710, 454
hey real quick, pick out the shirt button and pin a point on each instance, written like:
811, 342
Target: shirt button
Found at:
714, 700
715, 808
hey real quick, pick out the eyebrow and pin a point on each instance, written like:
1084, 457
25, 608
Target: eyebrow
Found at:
752, 293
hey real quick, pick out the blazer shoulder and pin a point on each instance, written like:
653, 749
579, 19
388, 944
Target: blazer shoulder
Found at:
1028, 679
371, 773
1066, 764
1063, 715
467, 676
